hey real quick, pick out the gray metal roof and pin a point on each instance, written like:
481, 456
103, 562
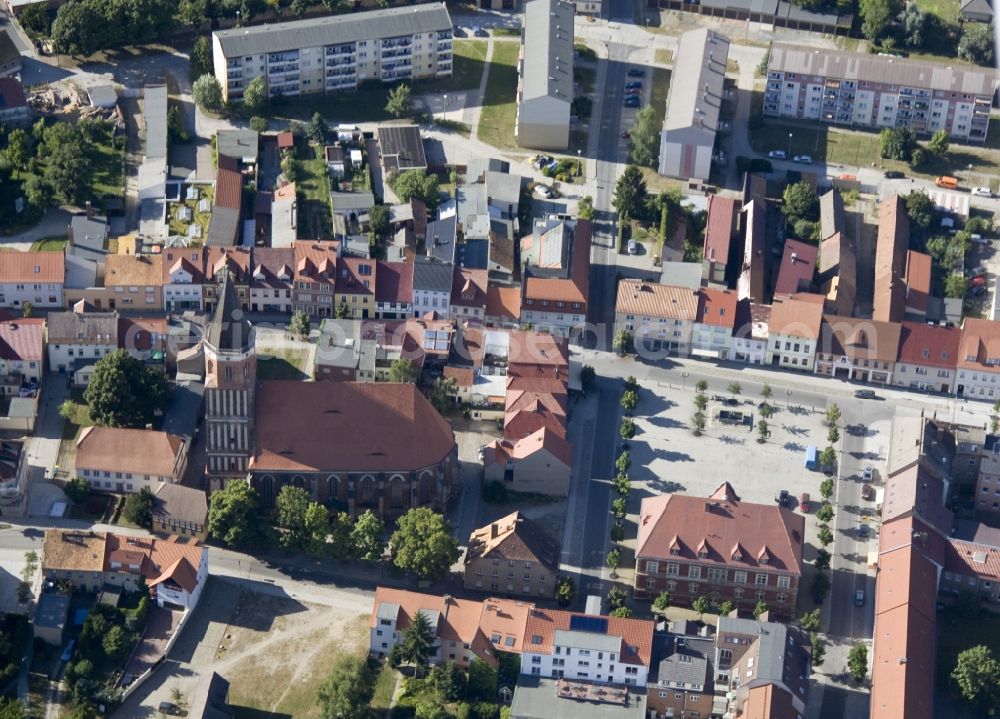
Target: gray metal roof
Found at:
8, 50
223, 227
238, 144
502, 187
696, 85
536, 698
351, 201
387, 610
865, 69
440, 238
75, 327
474, 254
478, 165
470, 199
401, 148
684, 661
52, 611
547, 67
91, 233
587, 640
831, 214
770, 663
432, 275
334, 30
154, 113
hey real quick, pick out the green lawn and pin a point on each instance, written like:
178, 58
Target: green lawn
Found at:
947, 10
283, 364
49, 244
179, 226
77, 420
314, 184
496, 121
661, 85
109, 164
385, 685
954, 635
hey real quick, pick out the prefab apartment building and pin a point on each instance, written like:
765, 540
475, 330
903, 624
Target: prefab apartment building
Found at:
337, 52
855, 89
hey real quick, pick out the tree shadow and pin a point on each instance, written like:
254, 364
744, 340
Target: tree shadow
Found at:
793, 447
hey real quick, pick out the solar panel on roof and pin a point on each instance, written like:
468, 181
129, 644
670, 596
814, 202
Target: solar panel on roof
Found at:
597, 625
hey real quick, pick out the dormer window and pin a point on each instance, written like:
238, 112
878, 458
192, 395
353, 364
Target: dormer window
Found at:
675, 550
37, 269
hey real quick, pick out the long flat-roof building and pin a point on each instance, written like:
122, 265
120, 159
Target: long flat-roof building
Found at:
857, 89
693, 103
336, 53
545, 75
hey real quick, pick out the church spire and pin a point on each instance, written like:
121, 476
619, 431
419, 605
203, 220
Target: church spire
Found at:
229, 330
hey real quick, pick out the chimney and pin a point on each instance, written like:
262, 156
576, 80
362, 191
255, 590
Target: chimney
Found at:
494, 530
90, 210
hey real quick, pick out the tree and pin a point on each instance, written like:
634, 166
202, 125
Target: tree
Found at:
448, 680
698, 420
290, 168
623, 463
616, 597
207, 93
915, 22
259, 124
418, 642
857, 661
630, 399
37, 191
418, 184
613, 559
34, 19
139, 508
620, 612
897, 143
662, 601
378, 219
368, 537
825, 513
832, 415
565, 591
347, 691
423, 543
201, 57
627, 429
833, 435
585, 208
232, 514
645, 137
255, 95
700, 605
759, 609
69, 166
818, 650
701, 386
402, 371
825, 536
399, 102
810, 620
123, 392
826, 488
976, 44
291, 509
956, 286
18, 152
622, 342
762, 430
317, 129
821, 586
766, 392
977, 673
441, 393
588, 378
630, 192
700, 402
300, 324
77, 489
875, 15
939, 142
115, 641
800, 202
919, 208
918, 157
77, 30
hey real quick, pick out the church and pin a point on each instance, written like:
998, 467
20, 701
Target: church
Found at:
352, 446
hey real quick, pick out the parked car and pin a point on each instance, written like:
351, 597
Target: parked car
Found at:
804, 502
868, 474
783, 498
633, 247
776, 154
977, 271
633, 91
803, 159
634, 85
637, 72
477, 31
543, 191
632, 101
977, 281
68, 651
867, 492
977, 291
859, 598
947, 182
978, 239
894, 175
863, 530
982, 192
170, 708
864, 394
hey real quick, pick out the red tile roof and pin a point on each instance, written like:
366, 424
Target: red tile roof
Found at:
11, 93
468, 287
380, 427
21, 339
228, 183
796, 316
649, 299
798, 263
980, 348
717, 307
162, 559
636, 634
33, 267
918, 281
395, 282
503, 303
890, 260
929, 345
722, 214
139, 451
859, 338
973, 560
734, 533
357, 276
577, 287
316, 261
142, 334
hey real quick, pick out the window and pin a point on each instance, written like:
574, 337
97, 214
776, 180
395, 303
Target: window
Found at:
694, 572
761, 580
740, 577
652, 567
673, 569
784, 582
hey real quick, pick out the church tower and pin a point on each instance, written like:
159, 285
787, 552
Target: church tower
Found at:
230, 377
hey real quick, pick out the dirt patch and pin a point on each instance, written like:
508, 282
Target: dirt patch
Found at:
277, 652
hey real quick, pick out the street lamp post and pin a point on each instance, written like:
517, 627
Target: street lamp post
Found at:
579, 163
789, 156
446, 106
788, 398
684, 376
237, 18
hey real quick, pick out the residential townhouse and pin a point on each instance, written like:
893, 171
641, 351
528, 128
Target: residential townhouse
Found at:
183, 277
752, 280
400, 148
513, 555
131, 283
355, 287
394, 290
175, 571
468, 295
928, 357
721, 548
14, 108
715, 321
752, 332
79, 338
979, 360
273, 279
22, 356
720, 248
432, 284
987, 493
836, 277
918, 285
556, 298
794, 331
890, 260
335, 53
682, 676
232, 262
844, 88
503, 306
660, 318
10, 55
35, 278
858, 349
545, 75
798, 263
344, 352
315, 278
116, 459
225, 223
972, 562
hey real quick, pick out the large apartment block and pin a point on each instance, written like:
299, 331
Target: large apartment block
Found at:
855, 89
336, 53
